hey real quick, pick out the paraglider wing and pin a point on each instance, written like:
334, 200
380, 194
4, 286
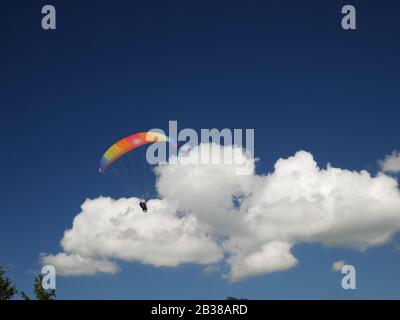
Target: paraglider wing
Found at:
129, 143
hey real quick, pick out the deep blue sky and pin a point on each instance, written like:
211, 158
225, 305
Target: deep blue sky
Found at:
112, 68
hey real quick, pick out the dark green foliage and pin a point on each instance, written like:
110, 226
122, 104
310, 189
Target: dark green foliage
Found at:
40, 293
24, 296
7, 289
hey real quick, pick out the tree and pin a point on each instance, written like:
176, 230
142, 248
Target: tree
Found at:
24, 296
7, 289
40, 293
233, 298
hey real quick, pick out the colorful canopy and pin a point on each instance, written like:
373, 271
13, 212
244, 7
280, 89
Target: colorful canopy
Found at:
129, 143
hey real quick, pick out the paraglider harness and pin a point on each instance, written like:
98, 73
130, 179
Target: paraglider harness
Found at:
143, 205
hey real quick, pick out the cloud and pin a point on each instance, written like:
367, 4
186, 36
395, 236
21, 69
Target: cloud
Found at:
274, 256
207, 214
338, 265
210, 269
75, 264
391, 163
118, 229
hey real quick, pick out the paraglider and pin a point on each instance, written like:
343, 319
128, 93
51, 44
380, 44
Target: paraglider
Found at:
126, 145
143, 205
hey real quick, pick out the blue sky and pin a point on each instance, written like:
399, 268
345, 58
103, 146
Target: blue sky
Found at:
114, 68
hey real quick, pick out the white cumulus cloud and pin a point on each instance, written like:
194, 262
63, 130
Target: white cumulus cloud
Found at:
118, 229
273, 256
391, 163
207, 214
75, 264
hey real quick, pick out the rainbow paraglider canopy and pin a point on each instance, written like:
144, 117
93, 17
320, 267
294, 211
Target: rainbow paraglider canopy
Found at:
130, 143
